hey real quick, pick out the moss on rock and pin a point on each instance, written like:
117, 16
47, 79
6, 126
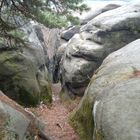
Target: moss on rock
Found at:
19, 82
46, 95
82, 121
26, 99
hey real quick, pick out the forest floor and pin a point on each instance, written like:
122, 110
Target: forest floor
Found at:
56, 116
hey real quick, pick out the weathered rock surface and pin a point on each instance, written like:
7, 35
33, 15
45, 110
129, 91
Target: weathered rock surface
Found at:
52, 42
77, 64
104, 34
16, 123
69, 33
59, 54
109, 107
93, 13
23, 73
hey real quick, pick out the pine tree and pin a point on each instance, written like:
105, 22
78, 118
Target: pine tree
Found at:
51, 13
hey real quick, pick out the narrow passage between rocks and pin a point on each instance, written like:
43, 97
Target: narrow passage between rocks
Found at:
55, 117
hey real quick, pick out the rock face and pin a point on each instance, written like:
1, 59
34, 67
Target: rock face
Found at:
16, 123
67, 34
70, 32
52, 42
109, 107
93, 13
104, 34
23, 73
59, 54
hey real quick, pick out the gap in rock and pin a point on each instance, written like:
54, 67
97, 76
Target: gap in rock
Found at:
56, 116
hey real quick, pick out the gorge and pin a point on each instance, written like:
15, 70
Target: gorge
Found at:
74, 83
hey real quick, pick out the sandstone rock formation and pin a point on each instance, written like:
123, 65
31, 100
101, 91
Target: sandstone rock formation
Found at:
67, 34
59, 54
23, 73
109, 108
52, 41
104, 34
95, 12
16, 123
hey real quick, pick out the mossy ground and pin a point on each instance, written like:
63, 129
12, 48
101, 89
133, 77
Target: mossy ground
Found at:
46, 94
81, 118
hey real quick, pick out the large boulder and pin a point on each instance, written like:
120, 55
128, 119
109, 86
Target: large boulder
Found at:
104, 34
16, 123
109, 109
79, 60
67, 34
23, 73
50, 41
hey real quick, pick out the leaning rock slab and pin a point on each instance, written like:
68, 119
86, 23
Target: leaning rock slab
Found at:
109, 107
16, 123
70, 32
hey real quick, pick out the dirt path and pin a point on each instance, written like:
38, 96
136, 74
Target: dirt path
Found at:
56, 118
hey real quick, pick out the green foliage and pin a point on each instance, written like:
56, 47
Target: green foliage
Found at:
51, 20
73, 20
51, 13
83, 7
82, 121
17, 33
46, 94
61, 13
